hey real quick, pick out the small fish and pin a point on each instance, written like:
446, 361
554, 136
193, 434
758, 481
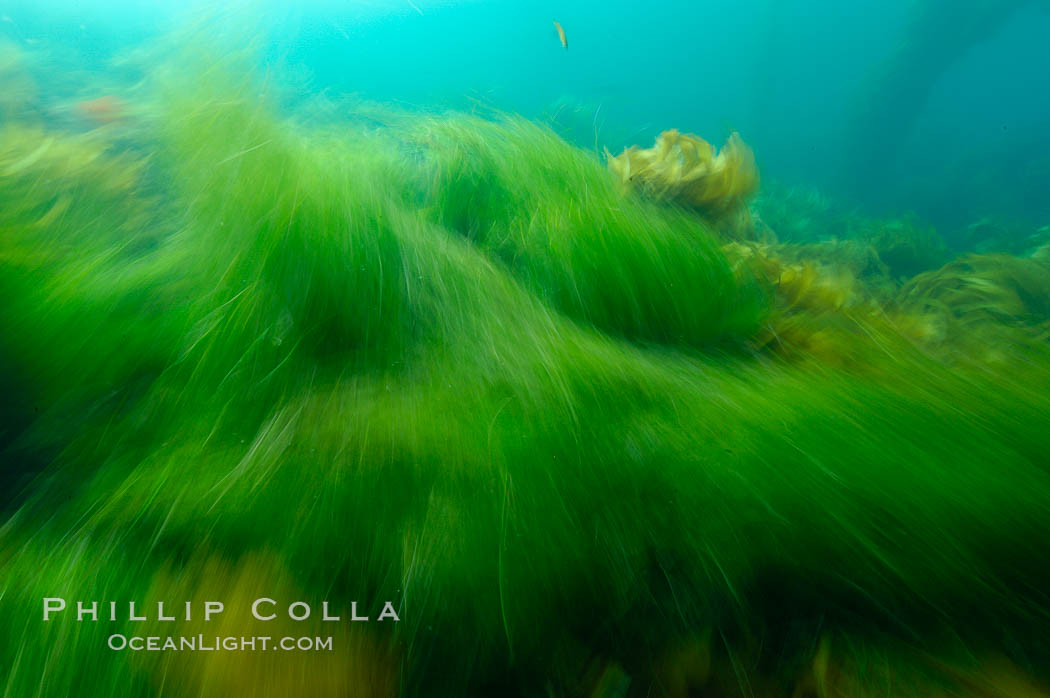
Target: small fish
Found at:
561, 36
102, 110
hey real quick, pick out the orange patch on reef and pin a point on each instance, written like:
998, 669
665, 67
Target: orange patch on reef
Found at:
102, 110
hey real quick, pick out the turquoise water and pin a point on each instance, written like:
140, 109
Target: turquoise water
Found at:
790, 76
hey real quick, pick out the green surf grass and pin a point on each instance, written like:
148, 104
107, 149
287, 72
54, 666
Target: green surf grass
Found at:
453, 367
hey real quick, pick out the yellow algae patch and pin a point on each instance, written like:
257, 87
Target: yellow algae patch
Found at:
347, 658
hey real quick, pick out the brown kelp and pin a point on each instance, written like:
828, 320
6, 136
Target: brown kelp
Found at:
904, 246
980, 297
687, 170
450, 366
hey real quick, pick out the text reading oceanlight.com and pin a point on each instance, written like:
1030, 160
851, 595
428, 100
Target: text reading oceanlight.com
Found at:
201, 643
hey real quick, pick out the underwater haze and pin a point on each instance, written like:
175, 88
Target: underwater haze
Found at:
442, 349
800, 79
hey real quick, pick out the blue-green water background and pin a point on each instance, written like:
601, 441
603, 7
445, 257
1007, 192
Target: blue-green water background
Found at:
790, 75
